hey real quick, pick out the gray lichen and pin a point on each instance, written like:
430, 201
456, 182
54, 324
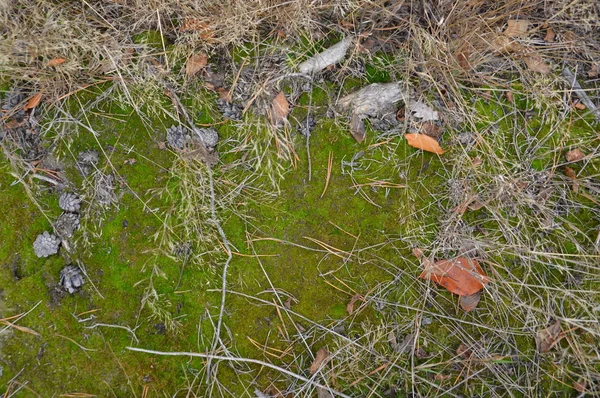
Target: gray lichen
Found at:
46, 245
71, 278
69, 202
176, 137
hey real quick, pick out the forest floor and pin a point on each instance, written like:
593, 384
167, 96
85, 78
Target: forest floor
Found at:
295, 199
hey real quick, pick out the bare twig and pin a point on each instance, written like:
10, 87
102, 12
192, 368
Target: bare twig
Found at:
580, 92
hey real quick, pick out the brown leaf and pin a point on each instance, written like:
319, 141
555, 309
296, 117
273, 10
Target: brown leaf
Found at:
280, 108
463, 59
594, 70
579, 106
196, 25
357, 128
33, 101
431, 129
462, 275
468, 303
547, 338
441, 377
537, 64
516, 28
569, 172
195, 64
353, 300
504, 44
56, 62
463, 351
320, 358
550, 35
424, 142
225, 95
509, 96
575, 155
580, 385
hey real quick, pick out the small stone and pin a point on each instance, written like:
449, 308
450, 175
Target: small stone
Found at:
66, 225
69, 202
71, 278
46, 245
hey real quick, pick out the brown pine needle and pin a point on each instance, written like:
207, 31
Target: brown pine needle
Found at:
329, 167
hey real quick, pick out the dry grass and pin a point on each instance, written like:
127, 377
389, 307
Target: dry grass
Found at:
544, 267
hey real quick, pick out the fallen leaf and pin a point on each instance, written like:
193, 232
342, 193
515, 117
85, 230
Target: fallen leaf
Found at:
580, 386
477, 161
579, 106
537, 64
569, 172
516, 28
288, 303
56, 62
463, 351
279, 108
550, 35
33, 101
504, 44
196, 25
594, 70
357, 128
547, 338
323, 393
424, 142
441, 377
353, 300
469, 303
195, 64
225, 95
463, 60
431, 129
422, 111
575, 155
320, 358
462, 275
405, 346
509, 96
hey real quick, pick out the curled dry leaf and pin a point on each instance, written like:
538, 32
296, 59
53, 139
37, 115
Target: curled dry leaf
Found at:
280, 108
579, 106
547, 338
424, 142
469, 303
569, 172
550, 35
431, 129
353, 300
320, 359
462, 275
33, 101
537, 64
575, 155
357, 128
195, 64
56, 61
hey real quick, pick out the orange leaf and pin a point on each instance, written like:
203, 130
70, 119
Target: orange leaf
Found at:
550, 35
320, 358
424, 142
280, 108
56, 61
33, 102
462, 275
195, 64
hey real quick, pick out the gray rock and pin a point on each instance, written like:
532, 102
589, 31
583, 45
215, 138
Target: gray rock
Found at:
69, 202
71, 278
46, 245
66, 224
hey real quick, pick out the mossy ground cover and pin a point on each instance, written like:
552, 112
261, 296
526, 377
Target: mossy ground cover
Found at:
304, 250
